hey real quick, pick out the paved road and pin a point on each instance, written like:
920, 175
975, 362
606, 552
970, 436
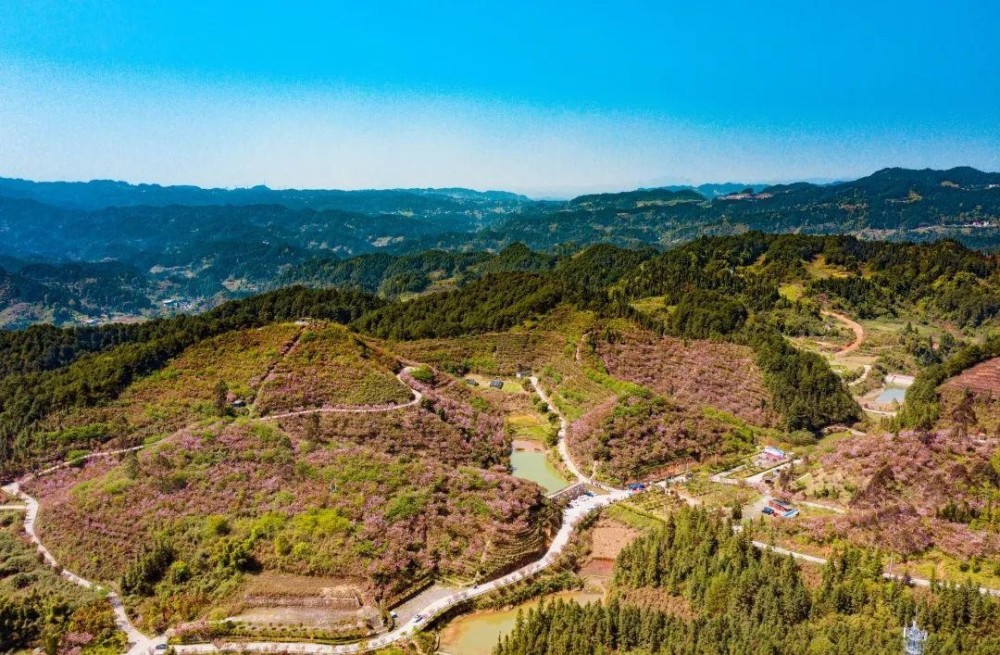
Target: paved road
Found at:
573, 514
753, 480
918, 582
139, 643
726, 476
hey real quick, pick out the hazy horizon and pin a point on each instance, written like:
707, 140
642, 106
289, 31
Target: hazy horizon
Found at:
531, 98
536, 196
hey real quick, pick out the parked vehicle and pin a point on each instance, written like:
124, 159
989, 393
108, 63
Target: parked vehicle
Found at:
768, 511
780, 506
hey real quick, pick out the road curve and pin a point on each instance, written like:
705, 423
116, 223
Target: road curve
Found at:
855, 327
361, 409
141, 644
563, 426
866, 369
917, 582
573, 514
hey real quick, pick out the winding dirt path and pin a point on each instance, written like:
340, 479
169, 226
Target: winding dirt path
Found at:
563, 427
864, 375
140, 644
360, 409
854, 326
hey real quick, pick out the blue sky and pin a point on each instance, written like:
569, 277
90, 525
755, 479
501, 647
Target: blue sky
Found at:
547, 98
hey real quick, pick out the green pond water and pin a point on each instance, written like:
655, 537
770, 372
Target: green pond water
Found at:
477, 634
890, 394
536, 467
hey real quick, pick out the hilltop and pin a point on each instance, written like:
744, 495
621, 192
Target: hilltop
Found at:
188, 249
333, 448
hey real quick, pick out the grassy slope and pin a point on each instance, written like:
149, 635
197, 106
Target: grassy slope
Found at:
330, 366
57, 612
398, 494
182, 392
386, 498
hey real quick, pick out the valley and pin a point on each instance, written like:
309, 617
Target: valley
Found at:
327, 471
648, 328
102, 252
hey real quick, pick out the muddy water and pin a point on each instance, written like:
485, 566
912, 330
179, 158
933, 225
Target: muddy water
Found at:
535, 466
477, 634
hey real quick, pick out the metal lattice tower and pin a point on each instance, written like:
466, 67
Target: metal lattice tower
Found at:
914, 639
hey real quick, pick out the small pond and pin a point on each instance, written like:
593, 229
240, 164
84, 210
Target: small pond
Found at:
890, 395
477, 634
535, 466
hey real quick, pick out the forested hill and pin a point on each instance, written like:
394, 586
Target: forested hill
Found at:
896, 204
753, 290
149, 250
694, 586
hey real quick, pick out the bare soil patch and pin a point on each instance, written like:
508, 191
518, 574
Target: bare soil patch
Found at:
609, 537
528, 446
284, 586
308, 617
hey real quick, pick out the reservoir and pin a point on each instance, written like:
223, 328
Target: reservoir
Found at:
890, 395
477, 634
534, 465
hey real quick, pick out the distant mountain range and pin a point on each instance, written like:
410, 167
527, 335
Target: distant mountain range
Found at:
72, 251
711, 191
101, 194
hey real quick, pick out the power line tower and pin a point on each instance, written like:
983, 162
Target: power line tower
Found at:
914, 639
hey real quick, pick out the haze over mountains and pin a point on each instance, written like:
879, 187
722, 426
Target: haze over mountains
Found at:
78, 252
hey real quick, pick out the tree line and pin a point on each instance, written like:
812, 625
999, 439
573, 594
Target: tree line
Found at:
100, 363
718, 287
727, 596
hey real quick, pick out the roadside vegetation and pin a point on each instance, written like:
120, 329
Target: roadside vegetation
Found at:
337, 435
39, 609
693, 586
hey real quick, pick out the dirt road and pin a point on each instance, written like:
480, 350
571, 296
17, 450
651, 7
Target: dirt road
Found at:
855, 327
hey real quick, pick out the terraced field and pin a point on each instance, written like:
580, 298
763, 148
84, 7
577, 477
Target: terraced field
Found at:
982, 379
